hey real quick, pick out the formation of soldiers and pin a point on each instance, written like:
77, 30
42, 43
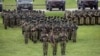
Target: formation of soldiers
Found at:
37, 27
10, 18
84, 17
50, 29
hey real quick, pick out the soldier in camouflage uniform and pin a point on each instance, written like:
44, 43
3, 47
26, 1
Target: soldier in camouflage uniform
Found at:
44, 37
99, 17
5, 21
63, 38
70, 30
26, 33
56, 30
34, 31
92, 18
53, 43
74, 31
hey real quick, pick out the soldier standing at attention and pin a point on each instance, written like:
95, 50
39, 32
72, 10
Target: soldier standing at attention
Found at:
5, 21
54, 40
44, 38
63, 37
74, 31
26, 33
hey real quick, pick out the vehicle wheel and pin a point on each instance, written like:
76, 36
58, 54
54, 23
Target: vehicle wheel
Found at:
79, 7
30, 8
59, 8
47, 8
50, 8
63, 8
91, 7
83, 7
96, 7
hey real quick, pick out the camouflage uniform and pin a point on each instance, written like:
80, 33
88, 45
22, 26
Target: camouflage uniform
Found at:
70, 30
6, 21
44, 37
34, 33
63, 38
26, 33
74, 31
87, 20
56, 36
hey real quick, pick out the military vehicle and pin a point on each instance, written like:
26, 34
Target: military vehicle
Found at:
1, 5
50, 4
24, 4
87, 3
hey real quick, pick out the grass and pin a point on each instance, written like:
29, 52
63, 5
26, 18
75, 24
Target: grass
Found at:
12, 42
55, 13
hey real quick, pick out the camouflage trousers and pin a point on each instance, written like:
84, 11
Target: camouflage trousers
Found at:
81, 21
99, 20
26, 36
5, 24
87, 20
34, 36
96, 19
12, 23
45, 48
74, 34
18, 22
93, 21
55, 49
63, 47
38, 34
69, 34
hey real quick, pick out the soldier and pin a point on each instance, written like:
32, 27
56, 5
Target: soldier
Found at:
82, 18
6, 21
23, 25
2, 15
12, 20
26, 33
96, 17
92, 18
63, 38
74, 31
87, 20
18, 18
55, 37
44, 37
34, 32
53, 43
99, 18
69, 29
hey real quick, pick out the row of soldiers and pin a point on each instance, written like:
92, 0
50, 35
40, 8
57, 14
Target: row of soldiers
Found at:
50, 29
37, 27
12, 18
84, 17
